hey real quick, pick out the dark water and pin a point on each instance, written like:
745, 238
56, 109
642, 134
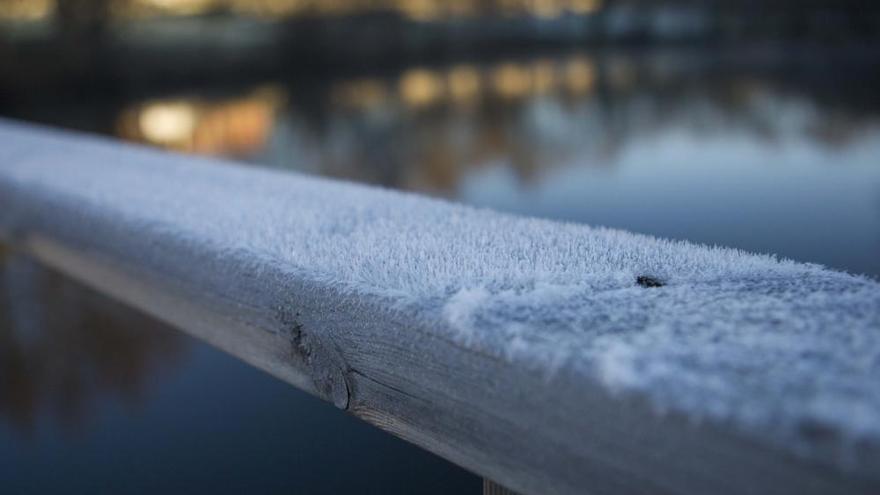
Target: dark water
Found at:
772, 151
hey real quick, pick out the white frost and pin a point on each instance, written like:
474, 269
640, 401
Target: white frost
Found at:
768, 345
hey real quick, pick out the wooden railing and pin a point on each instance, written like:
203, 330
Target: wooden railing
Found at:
547, 357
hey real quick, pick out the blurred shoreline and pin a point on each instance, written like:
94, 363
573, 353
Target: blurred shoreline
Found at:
107, 46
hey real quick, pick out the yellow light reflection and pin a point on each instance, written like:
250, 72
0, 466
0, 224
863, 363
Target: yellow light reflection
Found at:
511, 81
419, 87
167, 123
360, 93
582, 7
464, 83
418, 10
139, 8
547, 9
26, 10
461, 8
232, 127
580, 75
421, 10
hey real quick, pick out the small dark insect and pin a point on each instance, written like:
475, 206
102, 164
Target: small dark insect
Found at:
646, 281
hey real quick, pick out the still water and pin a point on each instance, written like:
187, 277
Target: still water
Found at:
772, 153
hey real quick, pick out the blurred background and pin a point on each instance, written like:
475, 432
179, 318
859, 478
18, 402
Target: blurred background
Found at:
744, 123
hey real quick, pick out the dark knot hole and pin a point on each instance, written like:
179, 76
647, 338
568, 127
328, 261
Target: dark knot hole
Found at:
646, 281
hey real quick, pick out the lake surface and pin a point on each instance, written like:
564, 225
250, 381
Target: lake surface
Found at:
773, 152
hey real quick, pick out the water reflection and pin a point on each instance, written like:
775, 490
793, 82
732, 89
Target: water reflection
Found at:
64, 349
421, 10
422, 128
231, 127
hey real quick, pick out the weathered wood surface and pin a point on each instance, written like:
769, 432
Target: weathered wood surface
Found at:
541, 363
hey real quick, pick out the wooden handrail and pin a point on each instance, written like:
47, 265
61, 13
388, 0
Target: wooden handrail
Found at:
549, 357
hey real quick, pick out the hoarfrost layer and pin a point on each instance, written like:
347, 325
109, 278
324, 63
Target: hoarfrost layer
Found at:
778, 349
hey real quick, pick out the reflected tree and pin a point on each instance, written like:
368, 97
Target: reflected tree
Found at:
63, 347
